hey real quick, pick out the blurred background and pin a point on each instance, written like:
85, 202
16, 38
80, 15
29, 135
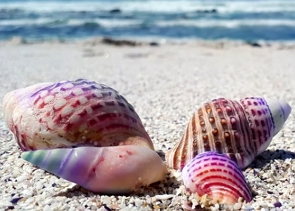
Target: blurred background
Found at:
247, 20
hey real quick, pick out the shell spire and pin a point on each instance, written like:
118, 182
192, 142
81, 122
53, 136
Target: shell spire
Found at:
71, 114
111, 170
240, 129
84, 132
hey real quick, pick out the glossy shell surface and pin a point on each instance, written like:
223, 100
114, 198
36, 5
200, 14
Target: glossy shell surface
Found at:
71, 114
216, 176
84, 132
240, 129
110, 170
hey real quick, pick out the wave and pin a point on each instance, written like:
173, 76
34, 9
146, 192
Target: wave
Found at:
152, 5
111, 23
22, 22
267, 33
70, 22
105, 23
233, 19
227, 23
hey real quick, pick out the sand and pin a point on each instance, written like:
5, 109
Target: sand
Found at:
165, 84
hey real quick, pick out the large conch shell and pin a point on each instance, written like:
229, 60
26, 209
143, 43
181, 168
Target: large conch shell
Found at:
240, 129
216, 176
83, 113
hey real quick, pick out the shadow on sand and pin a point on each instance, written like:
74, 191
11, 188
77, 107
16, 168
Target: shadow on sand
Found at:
269, 155
158, 188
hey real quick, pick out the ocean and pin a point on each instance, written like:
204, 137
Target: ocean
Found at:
247, 20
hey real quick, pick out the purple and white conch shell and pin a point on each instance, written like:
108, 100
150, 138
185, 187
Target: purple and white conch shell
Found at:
84, 114
216, 176
240, 129
110, 170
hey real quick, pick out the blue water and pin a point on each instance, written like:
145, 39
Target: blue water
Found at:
248, 20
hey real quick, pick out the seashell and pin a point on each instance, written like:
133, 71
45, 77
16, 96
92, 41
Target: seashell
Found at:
71, 114
216, 176
106, 148
240, 129
110, 170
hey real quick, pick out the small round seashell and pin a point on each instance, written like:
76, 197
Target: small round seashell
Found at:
216, 176
240, 129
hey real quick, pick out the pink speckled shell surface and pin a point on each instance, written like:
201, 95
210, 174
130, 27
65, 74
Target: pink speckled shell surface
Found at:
70, 114
217, 176
240, 129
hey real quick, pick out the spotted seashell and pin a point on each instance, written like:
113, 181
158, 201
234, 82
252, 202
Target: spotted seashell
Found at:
106, 148
111, 170
240, 129
71, 114
217, 176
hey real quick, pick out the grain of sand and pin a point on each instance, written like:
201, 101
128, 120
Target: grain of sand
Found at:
165, 84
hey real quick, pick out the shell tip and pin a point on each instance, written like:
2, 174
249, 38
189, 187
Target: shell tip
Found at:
286, 108
280, 111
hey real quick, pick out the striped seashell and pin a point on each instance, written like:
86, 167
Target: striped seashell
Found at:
104, 141
110, 170
241, 129
216, 176
71, 114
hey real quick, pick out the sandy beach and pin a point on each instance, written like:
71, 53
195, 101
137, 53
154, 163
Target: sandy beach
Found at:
165, 83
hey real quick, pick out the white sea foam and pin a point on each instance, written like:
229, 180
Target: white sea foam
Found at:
22, 22
180, 12
124, 23
105, 23
257, 6
34, 6
226, 23
72, 22
166, 6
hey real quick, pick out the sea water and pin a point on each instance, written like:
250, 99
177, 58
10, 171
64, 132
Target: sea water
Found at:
247, 20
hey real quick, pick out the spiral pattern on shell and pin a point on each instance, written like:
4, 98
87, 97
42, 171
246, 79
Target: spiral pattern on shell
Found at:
240, 129
112, 151
217, 176
71, 114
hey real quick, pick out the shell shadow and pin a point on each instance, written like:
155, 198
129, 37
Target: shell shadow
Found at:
167, 186
269, 155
